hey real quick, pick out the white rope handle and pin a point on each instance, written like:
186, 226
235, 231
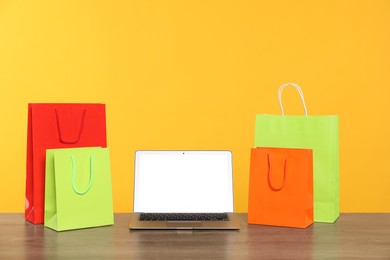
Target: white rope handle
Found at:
297, 87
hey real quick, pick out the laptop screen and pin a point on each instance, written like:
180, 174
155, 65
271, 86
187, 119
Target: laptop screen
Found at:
183, 181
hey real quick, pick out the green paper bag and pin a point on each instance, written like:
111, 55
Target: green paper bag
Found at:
319, 133
78, 190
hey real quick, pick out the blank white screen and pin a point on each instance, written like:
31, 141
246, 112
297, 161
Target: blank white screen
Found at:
183, 181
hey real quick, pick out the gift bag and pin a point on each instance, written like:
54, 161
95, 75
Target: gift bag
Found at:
319, 133
57, 126
78, 190
281, 187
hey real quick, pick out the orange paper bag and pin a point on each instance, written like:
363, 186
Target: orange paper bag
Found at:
281, 187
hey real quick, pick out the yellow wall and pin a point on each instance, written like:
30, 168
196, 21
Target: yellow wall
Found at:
193, 75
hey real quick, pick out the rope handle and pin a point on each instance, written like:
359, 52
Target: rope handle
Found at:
298, 88
62, 140
91, 175
270, 167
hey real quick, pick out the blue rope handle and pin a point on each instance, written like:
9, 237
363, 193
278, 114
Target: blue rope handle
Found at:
91, 174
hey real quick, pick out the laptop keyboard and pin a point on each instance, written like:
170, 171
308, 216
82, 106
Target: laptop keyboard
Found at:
184, 217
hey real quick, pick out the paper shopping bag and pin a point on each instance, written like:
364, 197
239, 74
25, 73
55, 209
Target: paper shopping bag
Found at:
57, 126
78, 190
281, 187
319, 133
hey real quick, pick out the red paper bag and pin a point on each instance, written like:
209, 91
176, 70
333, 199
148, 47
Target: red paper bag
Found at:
57, 126
281, 187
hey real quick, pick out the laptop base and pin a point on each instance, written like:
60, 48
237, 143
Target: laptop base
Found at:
231, 224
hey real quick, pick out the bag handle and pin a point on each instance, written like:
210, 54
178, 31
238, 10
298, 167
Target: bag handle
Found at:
270, 167
298, 88
62, 140
91, 174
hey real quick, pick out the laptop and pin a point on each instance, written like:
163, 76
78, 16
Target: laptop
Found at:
183, 190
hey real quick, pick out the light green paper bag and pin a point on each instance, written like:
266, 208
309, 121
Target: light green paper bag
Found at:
319, 133
78, 190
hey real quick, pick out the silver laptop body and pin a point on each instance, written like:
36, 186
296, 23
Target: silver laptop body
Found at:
183, 186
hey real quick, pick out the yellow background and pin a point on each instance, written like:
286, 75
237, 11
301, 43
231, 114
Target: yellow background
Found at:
193, 75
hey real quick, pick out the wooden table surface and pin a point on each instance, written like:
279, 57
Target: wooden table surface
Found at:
353, 236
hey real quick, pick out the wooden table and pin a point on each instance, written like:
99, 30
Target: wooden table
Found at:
353, 236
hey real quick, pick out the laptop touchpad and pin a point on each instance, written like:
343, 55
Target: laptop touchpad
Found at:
184, 224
